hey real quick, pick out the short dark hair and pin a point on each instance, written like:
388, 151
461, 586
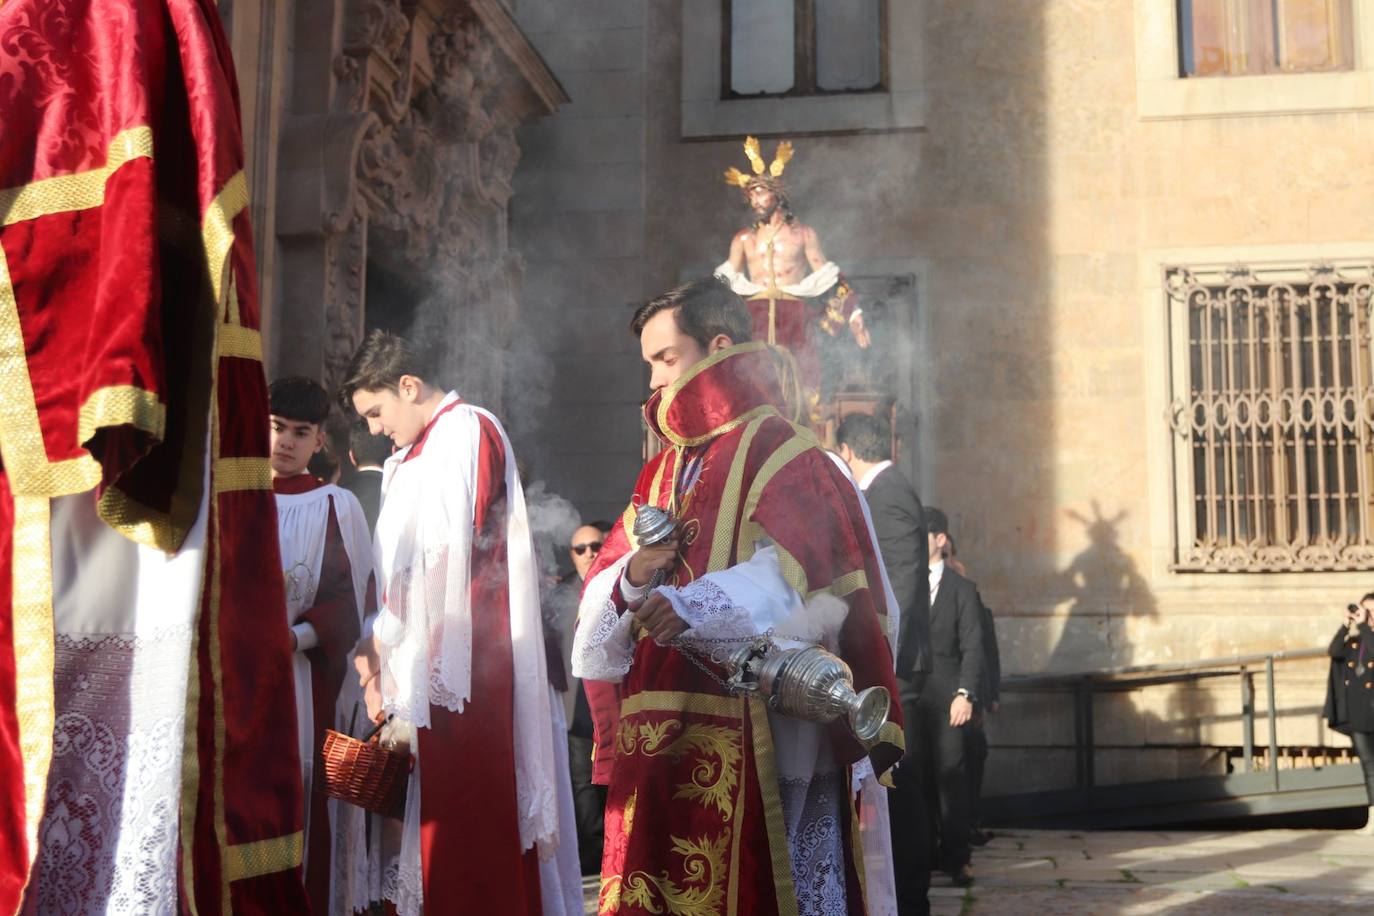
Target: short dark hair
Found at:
936, 521
323, 465
381, 360
601, 525
298, 398
1368, 597
869, 436
368, 450
702, 308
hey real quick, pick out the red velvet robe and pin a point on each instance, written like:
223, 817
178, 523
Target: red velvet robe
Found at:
334, 617
470, 834
693, 815
130, 360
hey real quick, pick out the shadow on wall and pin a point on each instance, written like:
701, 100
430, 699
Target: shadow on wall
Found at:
1104, 590
1140, 734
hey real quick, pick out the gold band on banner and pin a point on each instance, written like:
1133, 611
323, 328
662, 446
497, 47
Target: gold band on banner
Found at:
264, 857
217, 232
232, 340
21, 437
215, 569
233, 474
79, 191
239, 342
33, 654
121, 405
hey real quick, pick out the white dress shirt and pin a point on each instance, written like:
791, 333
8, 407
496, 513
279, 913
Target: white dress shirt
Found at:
872, 474
937, 572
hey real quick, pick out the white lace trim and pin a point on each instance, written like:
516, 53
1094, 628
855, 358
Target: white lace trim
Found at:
108, 838
603, 648
403, 881
709, 611
812, 809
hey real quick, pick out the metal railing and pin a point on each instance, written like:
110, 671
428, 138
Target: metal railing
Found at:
1086, 684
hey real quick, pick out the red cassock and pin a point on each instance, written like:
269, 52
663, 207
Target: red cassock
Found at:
131, 382
694, 820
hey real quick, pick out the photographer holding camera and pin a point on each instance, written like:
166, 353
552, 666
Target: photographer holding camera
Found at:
1350, 688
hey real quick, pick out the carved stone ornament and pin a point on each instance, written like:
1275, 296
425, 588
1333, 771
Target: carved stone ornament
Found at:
410, 166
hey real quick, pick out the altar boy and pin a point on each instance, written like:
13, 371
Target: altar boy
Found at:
327, 561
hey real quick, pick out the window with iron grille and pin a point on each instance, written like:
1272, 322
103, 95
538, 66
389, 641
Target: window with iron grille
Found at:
1272, 410
803, 47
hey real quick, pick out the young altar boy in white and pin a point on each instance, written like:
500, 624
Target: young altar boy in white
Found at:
326, 557
458, 653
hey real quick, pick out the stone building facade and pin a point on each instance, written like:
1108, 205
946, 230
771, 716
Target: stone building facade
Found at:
1029, 194
381, 144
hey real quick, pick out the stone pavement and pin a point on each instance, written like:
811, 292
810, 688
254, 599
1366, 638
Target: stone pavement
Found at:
1054, 872
1060, 872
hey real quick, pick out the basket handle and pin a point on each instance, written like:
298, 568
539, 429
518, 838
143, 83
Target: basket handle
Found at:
376, 729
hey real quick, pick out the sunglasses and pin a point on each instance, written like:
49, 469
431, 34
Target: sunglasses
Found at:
580, 549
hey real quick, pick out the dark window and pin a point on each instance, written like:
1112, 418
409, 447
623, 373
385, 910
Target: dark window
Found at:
803, 47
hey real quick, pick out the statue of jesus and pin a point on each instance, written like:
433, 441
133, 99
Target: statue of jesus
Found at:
790, 286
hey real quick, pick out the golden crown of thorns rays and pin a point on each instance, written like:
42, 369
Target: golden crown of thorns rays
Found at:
781, 157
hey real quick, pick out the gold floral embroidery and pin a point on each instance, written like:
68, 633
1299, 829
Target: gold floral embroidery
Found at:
609, 899
715, 774
627, 820
701, 893
652, 736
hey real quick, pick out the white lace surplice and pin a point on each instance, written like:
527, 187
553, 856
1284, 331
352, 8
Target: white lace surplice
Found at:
123, 616
423, 547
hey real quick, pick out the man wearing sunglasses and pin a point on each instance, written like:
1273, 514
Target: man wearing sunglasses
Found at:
589, 799
586, 544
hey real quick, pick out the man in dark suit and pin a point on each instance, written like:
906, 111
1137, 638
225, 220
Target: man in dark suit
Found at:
989, 701
368, 453
865, 444
945, 704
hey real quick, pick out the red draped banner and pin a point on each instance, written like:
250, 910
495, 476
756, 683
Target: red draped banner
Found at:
130, 363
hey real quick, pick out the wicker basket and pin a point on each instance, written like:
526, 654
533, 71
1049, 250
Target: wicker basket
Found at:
365, 774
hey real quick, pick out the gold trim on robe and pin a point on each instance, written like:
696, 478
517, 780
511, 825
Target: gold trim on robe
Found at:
264, 857
31, 571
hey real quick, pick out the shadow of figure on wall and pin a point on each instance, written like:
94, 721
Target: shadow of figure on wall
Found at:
1104, 589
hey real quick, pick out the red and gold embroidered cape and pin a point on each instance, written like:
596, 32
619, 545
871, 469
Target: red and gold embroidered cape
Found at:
694, 823
129, 346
